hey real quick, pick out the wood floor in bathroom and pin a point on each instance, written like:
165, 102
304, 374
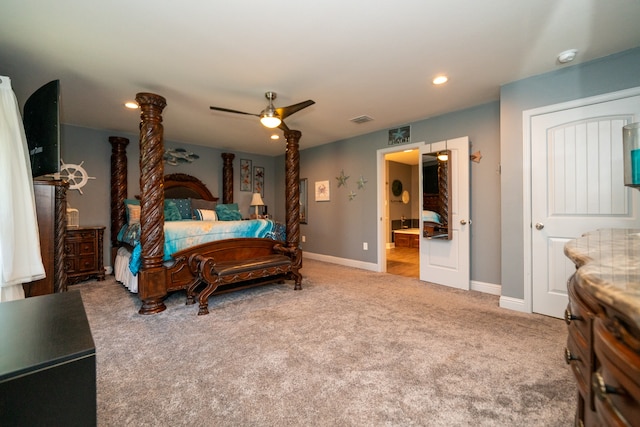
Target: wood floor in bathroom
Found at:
403, 262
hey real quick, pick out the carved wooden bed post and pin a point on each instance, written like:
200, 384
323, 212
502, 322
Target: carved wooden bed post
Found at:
292, 196
227, 177
151, 278
118, 189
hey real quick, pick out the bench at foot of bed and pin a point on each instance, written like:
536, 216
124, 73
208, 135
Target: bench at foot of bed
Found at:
262, 270
243, 262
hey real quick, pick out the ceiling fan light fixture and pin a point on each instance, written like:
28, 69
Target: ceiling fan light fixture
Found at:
269, 118
270, 121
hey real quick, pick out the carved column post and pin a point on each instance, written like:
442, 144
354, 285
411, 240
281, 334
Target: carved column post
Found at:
60, 273
443, 190
151, 279
292, 184
227, 177
118, 188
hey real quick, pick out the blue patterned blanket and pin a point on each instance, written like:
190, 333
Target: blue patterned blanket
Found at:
179, 235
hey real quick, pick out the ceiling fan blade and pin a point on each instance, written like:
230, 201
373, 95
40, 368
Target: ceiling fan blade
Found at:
283, 126
285, 112
227, 110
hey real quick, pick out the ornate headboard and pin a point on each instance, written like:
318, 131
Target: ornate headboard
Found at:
183, 186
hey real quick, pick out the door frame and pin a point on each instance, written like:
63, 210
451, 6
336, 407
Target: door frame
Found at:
527, 227
381, 210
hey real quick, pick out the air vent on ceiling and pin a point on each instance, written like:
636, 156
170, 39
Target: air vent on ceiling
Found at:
362, 119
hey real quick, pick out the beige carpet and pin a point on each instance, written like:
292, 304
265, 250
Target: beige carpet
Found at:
353, 348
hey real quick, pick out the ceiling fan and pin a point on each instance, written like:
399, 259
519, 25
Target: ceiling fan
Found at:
272, 117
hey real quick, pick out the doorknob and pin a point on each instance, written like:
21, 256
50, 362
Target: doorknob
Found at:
463, 221
539, 226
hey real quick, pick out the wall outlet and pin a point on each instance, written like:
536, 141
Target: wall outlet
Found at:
365, 246
304, 239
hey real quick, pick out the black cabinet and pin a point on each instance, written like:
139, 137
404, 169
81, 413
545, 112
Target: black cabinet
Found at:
47, 362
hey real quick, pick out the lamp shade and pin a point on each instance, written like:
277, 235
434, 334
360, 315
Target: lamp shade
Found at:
256, 200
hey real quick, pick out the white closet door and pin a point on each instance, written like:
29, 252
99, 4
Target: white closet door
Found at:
576, 186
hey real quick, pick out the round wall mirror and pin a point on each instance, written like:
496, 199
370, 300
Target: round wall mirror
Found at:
396, 187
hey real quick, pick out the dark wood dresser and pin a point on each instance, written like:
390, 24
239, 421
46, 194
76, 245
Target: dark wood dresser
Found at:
603, 318
84, 254
51, 211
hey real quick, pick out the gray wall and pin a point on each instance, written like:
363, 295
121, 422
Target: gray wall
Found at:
338, 228
91, 147
609, 74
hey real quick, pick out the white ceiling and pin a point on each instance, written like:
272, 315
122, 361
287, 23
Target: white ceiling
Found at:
357, 57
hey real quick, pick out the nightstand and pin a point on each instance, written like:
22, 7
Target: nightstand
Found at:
83, 254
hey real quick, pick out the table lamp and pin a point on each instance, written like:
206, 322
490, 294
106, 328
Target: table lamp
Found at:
256, 201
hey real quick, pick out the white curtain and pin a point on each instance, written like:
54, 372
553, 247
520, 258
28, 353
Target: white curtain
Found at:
20, 259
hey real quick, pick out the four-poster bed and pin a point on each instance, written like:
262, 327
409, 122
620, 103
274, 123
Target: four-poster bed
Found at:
218, 265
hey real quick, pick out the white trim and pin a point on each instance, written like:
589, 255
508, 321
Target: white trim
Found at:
382, 176
527, 116
341, 261
487, 288
515, 304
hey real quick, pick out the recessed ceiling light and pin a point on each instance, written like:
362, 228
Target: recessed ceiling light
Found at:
440, 80
567, 56
274, 137
131, 104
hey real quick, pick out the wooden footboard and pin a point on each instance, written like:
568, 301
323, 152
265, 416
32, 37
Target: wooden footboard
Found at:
232, 264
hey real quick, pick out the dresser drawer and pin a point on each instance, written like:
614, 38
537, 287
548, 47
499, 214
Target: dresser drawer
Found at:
616, 382
578, 314
81, 264
578, 356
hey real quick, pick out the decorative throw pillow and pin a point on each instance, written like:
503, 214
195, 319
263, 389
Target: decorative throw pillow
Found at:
205, 215
184, 207
171, 212
228, 212
127, 203
202, 204
133, 212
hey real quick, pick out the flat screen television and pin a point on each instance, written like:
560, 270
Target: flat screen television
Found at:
41, 119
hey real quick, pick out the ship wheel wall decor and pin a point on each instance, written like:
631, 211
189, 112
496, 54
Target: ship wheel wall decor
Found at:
75, 175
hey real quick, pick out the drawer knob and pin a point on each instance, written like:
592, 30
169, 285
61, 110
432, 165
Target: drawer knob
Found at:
568, 316
601, 389
568, 357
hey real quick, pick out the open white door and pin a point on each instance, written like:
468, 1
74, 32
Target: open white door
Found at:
446, 262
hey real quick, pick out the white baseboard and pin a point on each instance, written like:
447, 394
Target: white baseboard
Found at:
341, 261
487, 288
515, 304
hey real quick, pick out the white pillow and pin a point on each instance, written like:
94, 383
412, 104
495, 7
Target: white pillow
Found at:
205, 215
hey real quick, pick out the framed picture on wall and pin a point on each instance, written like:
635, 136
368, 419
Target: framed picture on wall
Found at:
245, 175
322, 191
258, 180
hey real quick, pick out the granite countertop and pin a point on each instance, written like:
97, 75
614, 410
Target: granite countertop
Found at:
608, 262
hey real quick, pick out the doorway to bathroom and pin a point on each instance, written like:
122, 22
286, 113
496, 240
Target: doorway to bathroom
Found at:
402, 211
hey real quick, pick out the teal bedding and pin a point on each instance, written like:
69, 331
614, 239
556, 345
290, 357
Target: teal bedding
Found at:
179, 235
